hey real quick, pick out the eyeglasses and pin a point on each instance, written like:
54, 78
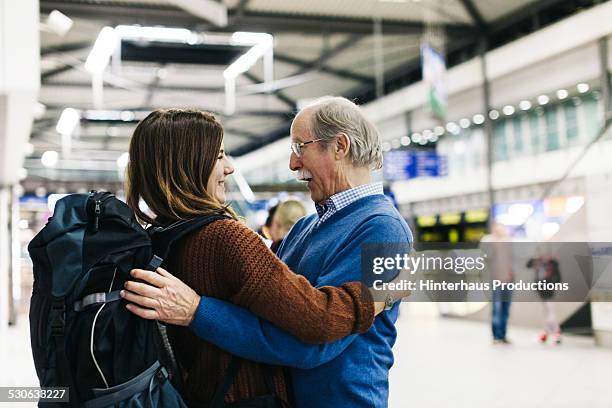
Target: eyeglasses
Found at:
297, 146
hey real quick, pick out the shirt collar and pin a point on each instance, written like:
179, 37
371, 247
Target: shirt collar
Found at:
340, 200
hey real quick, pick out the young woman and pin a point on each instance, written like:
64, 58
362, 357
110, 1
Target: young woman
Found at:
178, 168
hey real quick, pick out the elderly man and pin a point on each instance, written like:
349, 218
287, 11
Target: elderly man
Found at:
334, 148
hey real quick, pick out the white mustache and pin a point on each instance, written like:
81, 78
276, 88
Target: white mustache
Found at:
303, 175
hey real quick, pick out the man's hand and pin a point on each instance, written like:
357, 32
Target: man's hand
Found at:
164, 298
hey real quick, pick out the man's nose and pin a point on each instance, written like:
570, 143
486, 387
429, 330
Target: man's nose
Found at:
295, 163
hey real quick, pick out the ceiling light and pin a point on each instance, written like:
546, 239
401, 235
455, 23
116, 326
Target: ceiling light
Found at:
49, 158
543, 99
525, 105
159, 34
68, 121
478, 119
395, 143
508, 110
465, 123
127, 116
386, 147
103, 48
59, 23
582, 87
405, 140
438, 130
261, 44
562, 94
493, 114
416, 137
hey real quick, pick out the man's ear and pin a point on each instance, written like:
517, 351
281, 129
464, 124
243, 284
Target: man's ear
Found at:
343, 146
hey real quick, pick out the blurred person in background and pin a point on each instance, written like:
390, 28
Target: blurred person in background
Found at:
286, 215
178, 168
546, 269
500, 243
264, 231
334, 147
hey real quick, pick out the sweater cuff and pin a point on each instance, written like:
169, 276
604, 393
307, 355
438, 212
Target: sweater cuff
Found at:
365, 310
202, 318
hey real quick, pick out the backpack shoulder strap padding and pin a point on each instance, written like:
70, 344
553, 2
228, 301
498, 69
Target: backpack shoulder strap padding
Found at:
164, 237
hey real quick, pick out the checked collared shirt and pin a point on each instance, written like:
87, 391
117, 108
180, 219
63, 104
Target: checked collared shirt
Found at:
340, 200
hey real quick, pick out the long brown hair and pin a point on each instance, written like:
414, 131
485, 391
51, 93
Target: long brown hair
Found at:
172, 155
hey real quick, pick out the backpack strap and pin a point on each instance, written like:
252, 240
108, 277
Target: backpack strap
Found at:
96, 299
57, 317
164, 237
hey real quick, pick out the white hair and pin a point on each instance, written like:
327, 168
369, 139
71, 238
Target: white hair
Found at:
334, 115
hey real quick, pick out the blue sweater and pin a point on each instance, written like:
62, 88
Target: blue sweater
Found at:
351, 372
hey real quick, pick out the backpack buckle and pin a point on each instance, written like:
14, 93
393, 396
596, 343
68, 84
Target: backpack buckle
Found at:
58, 318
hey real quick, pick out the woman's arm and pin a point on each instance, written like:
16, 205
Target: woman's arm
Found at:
260, 282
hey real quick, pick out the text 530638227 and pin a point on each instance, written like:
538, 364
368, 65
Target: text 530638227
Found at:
34, 394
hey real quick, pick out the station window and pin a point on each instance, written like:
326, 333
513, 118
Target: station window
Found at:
517, 133
591, 117
500, 144
552, 130
534, 132
571, 121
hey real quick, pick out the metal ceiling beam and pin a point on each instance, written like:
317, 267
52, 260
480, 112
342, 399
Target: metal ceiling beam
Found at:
522, 13
327, 55
54, 72
287, 100
239, 21
58, 49
342, 73
475, 15
363, 93
286, 22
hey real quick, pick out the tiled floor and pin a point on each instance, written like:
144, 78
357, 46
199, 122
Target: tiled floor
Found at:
444, 363
453, 363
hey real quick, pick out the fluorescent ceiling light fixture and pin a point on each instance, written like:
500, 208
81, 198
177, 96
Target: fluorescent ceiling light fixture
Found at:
49, 158
68, 121
261, 44
159, 34
59, 23
543, 99
478, 119
525, 105
583, 88
103, 48
562, 94
508, 110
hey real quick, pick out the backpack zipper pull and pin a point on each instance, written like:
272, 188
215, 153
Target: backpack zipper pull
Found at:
97, 218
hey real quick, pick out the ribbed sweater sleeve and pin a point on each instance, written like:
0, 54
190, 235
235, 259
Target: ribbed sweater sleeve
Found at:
256, 279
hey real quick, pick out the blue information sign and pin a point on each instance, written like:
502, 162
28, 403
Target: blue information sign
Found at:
408, 164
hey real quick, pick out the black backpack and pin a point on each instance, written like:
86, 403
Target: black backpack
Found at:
82, 335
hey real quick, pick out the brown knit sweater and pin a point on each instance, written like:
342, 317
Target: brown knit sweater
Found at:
227, 260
